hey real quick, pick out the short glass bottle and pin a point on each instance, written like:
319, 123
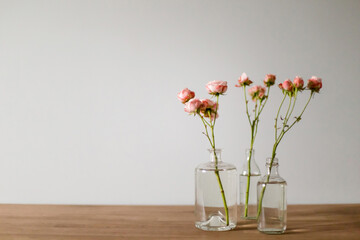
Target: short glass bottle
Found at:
215, 194
249, 177
272, 204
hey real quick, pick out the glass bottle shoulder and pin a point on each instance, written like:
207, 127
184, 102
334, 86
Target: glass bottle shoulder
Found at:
273, 179
250, 166
210, 166
254, 169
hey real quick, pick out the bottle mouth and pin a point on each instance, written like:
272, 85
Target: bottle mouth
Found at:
217, 150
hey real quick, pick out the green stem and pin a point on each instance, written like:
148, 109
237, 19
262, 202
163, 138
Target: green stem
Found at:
249, 174
216, 166
247, 108
207, 133
287, 112
261, 107
292, 109
267, 97
204, 120
277, 117
256, 122
221, 189
299, 117
267, 181
254, 127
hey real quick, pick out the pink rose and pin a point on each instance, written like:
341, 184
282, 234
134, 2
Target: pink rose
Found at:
208, 105
257, 92
253, 90
192, 106
281, 86
314, 84
287, 85
243, 80
185, 95
298, 82
269, 80
216, 87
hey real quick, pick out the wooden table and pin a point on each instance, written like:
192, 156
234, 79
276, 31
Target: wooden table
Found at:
20, 222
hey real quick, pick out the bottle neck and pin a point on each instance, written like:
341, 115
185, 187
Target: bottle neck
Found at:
272, 167
250, 166
250, 155
215, 156
274, 171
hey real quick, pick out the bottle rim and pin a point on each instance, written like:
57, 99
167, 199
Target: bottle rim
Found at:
275, 162
217, 150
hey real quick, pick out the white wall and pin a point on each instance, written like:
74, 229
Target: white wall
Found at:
88, 108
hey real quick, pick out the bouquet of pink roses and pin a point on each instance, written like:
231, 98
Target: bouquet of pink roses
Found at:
259, 96
207, 111
291, 91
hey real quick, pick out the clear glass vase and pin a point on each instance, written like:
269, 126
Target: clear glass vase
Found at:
272, 204
215, 194
249, 177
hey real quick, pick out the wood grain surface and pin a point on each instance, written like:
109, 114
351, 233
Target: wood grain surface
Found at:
20, 222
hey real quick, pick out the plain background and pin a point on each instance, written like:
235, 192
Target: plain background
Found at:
88, 107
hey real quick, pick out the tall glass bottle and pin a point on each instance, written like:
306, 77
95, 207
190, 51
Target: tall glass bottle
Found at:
215, 194
272, 204
249, 176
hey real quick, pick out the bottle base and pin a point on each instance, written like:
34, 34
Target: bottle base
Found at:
215, 223
249, 218
272, 231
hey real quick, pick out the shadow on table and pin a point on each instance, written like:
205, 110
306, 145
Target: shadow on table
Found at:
246, 225
323, 226
295, 227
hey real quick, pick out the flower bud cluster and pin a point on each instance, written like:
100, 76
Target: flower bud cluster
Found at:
314, 84
206, 107
256, 92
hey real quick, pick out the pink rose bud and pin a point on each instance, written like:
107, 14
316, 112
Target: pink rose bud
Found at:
243, 80
281, 86
287, 85
314, 84
192, 106
262, 92
269, 80
185, 95
257, 92
216, 87
298, 82
208, 105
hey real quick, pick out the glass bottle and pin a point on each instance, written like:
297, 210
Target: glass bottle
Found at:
249, 176
272, 200
215, 194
